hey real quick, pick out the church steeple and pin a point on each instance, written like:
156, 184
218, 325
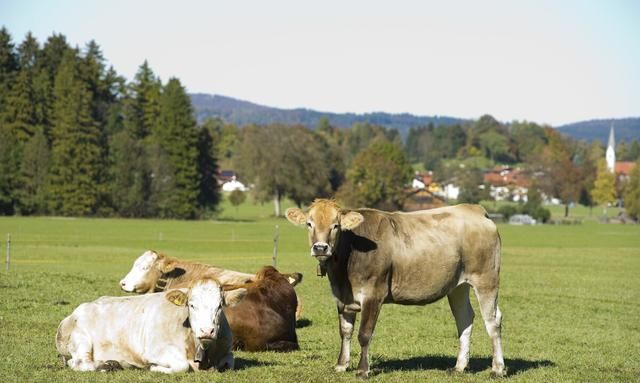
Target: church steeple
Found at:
611, 151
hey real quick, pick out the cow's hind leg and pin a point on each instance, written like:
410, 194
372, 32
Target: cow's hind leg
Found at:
81, 349
488, 301
463, 314
347, 320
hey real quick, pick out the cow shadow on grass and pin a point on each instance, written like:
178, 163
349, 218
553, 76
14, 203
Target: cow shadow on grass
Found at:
243, 364
446, 363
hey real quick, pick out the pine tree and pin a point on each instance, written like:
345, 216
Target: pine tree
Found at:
177, 137
75, 138
8, 64
209, 194
9, 167
32, 193
142, 108
19, 114
28, 52
129, 174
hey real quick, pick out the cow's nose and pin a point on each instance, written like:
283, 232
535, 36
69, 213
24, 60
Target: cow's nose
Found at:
122, 283
320, 248
207, 333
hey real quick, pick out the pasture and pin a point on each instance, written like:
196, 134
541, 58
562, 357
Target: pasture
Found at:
568, 294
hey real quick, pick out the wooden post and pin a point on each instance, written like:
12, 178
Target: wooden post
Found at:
275, 246
8, 250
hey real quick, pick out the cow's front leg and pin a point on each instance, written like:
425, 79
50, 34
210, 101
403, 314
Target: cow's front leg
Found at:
170, 361
369, 317
347, 320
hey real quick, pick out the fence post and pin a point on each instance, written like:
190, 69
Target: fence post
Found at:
8, 261
275, 246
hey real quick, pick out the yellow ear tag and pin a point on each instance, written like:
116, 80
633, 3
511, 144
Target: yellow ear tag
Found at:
177, 297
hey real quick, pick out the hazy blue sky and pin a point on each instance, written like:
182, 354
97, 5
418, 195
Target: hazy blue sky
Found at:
545, 61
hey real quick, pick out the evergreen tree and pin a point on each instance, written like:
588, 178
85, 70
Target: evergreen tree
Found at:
209, 194
34, 170
9, 167
76, 155
28, 52
19, 114
8, 64
129, 174
142, 108
177, 136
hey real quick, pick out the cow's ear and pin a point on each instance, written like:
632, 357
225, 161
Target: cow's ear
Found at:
296, 216
233, 297
177, 297
351, 220
167, 266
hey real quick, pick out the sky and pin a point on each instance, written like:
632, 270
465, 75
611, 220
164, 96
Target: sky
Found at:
551, 62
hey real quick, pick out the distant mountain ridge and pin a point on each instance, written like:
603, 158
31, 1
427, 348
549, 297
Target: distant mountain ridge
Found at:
240, 113
626, 129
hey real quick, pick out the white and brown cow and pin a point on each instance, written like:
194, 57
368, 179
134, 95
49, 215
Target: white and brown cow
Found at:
154, 272
373, 257
169, 332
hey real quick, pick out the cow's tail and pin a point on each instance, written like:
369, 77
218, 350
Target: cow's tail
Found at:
283, 346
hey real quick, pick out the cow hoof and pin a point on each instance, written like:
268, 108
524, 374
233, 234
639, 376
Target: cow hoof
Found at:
454, 371
362, 374
109, 366
499, 374
341, 367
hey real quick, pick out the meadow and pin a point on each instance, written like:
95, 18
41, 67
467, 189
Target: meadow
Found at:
568, 294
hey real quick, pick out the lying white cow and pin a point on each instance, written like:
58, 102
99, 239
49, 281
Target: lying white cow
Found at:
173, 331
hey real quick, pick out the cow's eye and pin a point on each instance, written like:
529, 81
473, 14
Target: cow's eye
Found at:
334, 226
191, 306
309, 225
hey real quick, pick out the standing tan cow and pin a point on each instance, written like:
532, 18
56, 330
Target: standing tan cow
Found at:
168, 332
373, 257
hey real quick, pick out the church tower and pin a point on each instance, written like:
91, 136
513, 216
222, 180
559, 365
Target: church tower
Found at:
611, 152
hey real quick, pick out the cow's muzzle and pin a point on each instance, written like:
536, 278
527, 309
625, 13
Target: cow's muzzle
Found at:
321, 251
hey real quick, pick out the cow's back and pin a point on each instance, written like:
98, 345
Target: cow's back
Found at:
421, 256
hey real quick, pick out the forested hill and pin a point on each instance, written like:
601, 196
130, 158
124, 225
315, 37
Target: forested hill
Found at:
626, 129
240, 113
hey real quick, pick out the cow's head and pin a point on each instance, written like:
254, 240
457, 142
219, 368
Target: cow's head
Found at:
146, 271
325, 221
204, 300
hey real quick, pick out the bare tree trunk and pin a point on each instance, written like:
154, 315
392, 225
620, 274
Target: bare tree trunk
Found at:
566, 210
276, 203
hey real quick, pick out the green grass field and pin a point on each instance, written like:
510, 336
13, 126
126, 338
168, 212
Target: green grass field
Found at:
568, 294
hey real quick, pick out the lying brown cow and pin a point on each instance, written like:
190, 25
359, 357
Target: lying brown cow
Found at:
374, 257
266, 318
265, 322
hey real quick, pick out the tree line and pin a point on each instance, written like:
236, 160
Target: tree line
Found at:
77, 139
